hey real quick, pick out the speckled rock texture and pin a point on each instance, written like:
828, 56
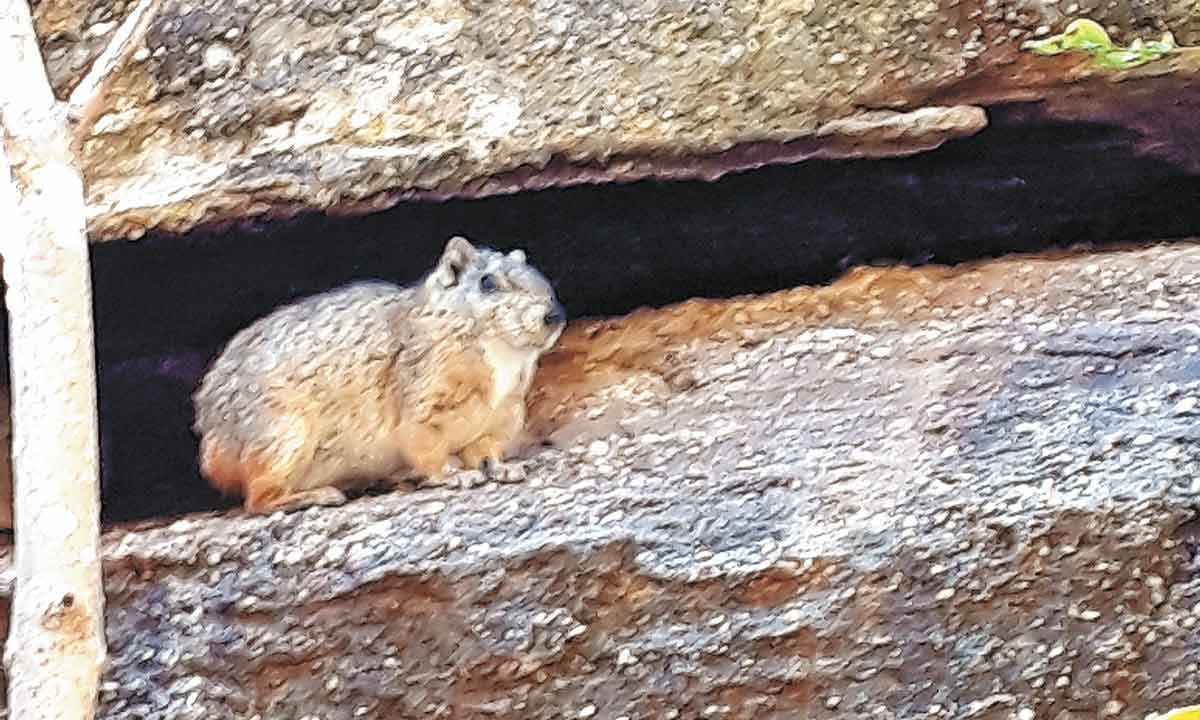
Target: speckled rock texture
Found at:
238, 108
965, 493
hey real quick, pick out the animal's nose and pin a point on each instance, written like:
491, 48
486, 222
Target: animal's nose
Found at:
556, 316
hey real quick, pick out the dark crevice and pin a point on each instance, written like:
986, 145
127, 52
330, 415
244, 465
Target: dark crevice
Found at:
165, 304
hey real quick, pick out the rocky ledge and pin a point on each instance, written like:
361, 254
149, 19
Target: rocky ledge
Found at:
963, 493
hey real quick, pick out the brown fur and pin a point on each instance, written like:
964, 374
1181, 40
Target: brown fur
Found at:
224, 471
375, 382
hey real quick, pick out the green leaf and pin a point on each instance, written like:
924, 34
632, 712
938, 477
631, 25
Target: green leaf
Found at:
1083, 35
1123, 59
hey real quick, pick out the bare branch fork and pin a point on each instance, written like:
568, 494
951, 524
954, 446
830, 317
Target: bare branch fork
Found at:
56, 647
87, 99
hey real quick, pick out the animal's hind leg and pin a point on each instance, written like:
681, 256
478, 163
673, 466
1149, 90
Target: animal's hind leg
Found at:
326, 496
279, 475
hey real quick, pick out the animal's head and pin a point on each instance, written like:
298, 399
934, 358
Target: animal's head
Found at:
509, 298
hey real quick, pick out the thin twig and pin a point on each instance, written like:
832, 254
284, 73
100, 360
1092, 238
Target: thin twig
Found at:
88, 96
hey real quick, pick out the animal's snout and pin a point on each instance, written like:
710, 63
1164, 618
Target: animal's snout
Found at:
555, 316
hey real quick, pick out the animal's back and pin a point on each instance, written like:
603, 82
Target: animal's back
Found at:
325, 360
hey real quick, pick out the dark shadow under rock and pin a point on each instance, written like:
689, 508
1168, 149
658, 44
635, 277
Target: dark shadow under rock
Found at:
1020, 185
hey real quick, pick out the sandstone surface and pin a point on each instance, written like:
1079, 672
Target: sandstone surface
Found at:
240, 108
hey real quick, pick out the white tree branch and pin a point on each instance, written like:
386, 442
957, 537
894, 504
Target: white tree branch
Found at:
26, 99
56, 647
88, 96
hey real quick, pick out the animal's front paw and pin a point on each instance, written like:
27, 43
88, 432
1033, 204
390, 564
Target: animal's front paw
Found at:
504, 472
465, 479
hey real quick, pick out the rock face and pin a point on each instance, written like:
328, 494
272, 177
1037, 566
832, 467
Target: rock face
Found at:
239, 107
933, 493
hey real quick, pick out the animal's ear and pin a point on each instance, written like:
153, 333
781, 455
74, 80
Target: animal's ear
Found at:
517, 256
458, 255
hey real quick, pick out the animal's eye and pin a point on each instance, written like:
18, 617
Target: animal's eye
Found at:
487, 283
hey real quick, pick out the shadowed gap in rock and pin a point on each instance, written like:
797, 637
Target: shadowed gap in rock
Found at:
166, 304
